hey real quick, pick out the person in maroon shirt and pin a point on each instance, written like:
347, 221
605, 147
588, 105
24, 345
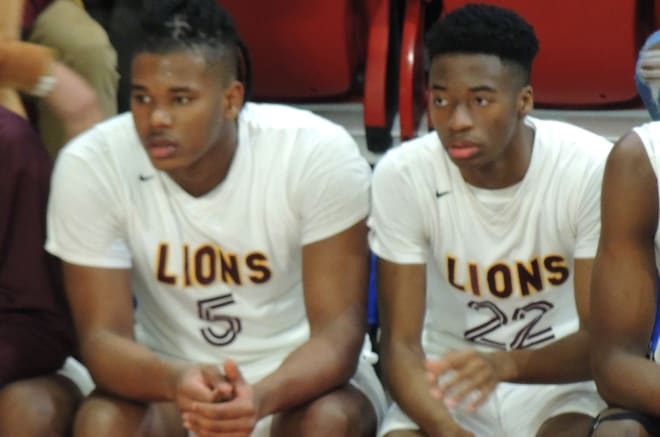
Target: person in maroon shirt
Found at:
37, 396
36, 334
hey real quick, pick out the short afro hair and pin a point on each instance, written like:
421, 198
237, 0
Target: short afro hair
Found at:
485, 29
201, 25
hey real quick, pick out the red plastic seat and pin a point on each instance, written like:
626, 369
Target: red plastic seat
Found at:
332, 50
411, 68
587, 51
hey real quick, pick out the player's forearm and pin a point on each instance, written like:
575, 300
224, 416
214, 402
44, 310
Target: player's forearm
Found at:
326, 361
121, 366
404, 373
628, 380
566, 360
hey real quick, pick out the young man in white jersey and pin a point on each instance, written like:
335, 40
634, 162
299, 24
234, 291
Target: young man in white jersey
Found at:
502, 209
240, 230
624, 291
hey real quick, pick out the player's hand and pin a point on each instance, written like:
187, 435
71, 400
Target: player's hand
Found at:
235, 417
200, 383
463, 377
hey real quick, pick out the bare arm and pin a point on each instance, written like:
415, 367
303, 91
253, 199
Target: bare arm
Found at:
32, 69
335, 286
402, 303
102, 307
624, 285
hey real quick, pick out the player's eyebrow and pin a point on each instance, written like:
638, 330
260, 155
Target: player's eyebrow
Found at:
475, 89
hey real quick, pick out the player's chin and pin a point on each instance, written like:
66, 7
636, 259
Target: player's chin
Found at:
168, 164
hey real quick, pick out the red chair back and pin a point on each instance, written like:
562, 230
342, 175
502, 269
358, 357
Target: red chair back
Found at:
587, 51
300, 49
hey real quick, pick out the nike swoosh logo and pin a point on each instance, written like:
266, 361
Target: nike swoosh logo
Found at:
439, 194
145, 178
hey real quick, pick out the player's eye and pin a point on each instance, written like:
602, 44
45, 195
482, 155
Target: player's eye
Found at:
182, 100
481, 101
141, 98
439, 101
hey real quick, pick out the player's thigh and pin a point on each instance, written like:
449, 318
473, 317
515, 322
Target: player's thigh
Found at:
102, 415
616, 422
38, 406
526, 409
342, 412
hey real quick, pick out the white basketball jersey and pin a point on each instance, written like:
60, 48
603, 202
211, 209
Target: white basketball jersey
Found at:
500, 262
217, 276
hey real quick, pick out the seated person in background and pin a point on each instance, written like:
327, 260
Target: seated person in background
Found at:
647, 75
36, 335
80, 43
624, 304
240, 229
503, 208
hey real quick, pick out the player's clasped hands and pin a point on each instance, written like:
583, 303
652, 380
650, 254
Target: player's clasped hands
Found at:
462, 378
214, 404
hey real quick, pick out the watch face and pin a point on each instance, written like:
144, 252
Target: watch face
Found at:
44, 86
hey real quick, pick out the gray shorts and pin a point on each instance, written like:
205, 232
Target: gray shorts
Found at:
514, 409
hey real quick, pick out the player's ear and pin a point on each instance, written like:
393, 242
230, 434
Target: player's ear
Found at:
233, 96
525, 101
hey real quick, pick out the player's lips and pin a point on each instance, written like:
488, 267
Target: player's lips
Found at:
160, 147
462, 150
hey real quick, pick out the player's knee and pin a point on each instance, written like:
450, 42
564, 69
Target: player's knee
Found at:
27, 410
97, 418
101, 416
620, 428
566, 424
328, 415
324, 417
